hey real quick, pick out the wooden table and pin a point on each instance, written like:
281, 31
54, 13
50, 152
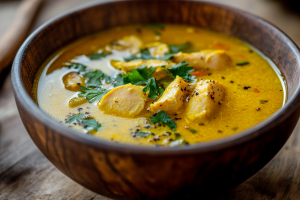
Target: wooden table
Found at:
26, 174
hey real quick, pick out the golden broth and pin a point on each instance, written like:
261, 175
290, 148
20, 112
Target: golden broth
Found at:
241, 109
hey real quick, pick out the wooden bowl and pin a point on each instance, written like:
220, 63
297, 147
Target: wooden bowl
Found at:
123, 171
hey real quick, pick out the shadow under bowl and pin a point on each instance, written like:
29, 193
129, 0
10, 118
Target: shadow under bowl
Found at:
123, 171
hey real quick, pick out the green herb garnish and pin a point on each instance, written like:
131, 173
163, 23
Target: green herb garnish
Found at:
153, 88
162, 117
177, 143
75, 118
264, 101
118, 80
235, 128
177, 134
78, 67
93, 95
155, 26
157, 33
97, 56
181, 70
193, 130
242, 63
142, 134
145, 55
95, 78
177, 48
139, 76
91, 124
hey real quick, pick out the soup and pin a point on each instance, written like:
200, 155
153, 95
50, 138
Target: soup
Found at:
159, 85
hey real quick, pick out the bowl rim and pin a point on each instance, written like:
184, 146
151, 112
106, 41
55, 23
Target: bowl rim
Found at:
214, 145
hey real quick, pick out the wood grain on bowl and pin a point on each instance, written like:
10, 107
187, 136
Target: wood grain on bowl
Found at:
127, 172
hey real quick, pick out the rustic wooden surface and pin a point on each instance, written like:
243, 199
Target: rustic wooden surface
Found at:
26, 174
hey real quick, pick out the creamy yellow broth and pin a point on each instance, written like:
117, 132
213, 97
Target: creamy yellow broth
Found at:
241, 109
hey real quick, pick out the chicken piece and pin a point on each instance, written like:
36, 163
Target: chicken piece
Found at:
173, 98
205, 100
209, 59
128, 66
157, 49
125, 101
73, 81
132, 42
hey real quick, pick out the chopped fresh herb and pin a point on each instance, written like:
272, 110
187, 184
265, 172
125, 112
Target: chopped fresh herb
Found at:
95, 78
235, 128
97, 56
91, 124
177, 48
242, 63
157, 32
145, 55
162, 117
177, 143
181, 70
75, 118
139, 75
153, 88
142, 134
263, 101
155, 26
118, 80
177, 134
193, 130
93, 95
78, 67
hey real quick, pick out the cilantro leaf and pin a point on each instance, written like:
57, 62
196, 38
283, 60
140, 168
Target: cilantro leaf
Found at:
118, 80
97, 56
153, 88
142, 134
157, 33
78, 67
75, 118
155, 26
139, 75
177, 48
91, 124
93, 95
145, 55
162, 117
181, 70
95, 78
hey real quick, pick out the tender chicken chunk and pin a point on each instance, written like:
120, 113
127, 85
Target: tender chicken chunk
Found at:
205, 100
128, 66
211, 59
132, 42
73, 81
173, 98
125, 101
157, 49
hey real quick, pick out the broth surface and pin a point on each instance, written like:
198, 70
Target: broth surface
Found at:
254, 91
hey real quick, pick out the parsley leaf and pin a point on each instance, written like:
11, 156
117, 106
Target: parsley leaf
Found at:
157, 33
91, 124
193, 130
242, 63
145, 55
118, 80
75, 118
78, 67
142, 134
93, 94
162, 117
139, 75
153, 88
95, 78
181, 70
177, 48
97, 56
155, 26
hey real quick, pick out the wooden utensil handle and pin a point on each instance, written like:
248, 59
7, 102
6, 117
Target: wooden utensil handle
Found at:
12, 39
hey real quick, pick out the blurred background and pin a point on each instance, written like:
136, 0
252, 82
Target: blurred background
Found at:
26, 174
